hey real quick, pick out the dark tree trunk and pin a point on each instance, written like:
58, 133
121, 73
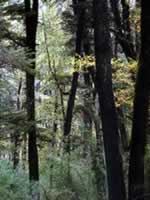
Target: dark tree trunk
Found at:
31, 21
126, 20
123, 33
69, 112
116, 186
71, 100
93, 116
16, 134
140, 116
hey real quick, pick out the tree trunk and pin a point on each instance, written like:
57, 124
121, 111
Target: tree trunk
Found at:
116, 186
71, 100
123, 34
31, 21
16, 134
140, 116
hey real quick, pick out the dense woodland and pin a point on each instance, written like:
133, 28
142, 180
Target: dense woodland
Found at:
74, 100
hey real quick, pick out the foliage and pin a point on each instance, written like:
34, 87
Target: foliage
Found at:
61, 178
73, 177
124, 73
135, 19
13, 185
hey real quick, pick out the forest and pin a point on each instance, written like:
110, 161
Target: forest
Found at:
74, 100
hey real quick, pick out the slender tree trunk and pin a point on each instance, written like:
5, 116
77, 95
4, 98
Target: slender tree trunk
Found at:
71, 100
116, 186
140, 116
126, 20
31, 21
52, 69
16, 134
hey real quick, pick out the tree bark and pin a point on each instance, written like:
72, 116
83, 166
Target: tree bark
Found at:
71, 100
31, 21
140, 115
116, 186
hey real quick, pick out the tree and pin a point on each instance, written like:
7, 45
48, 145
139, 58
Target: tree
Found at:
122, 23
31, 21
140, 114
78, 48
115, 178
16, 134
